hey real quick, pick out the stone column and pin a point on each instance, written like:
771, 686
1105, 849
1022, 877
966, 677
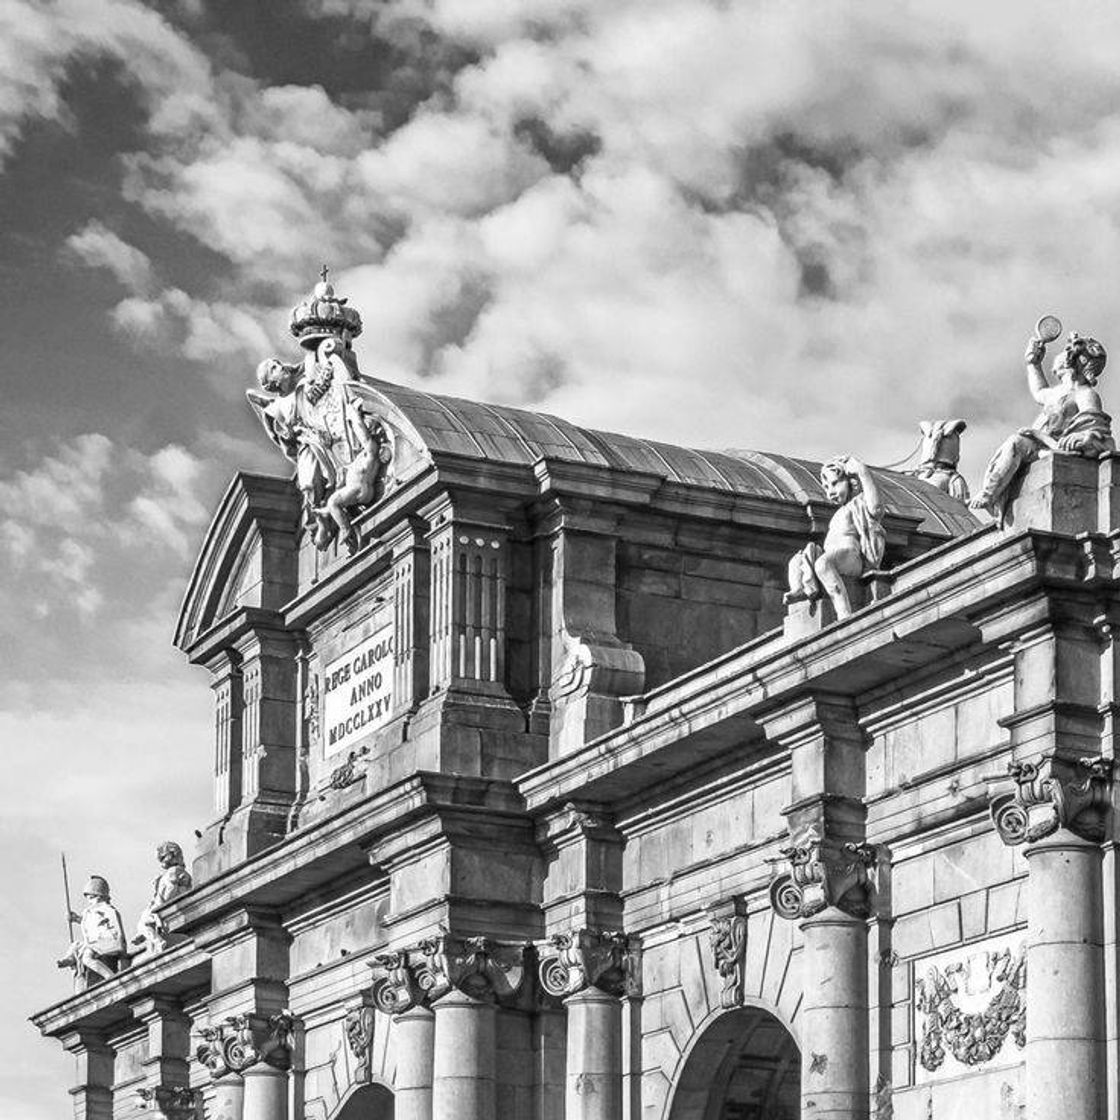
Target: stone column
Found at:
248, 1057
93, 1090
592, 971
229, 1096
443, 997
266, 1093
834, 1066
415, 1033
1058, 810
463, 1060
826, 888
828, 891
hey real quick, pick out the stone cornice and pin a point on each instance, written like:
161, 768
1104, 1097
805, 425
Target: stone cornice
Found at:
171, 973
939, 604
339, 844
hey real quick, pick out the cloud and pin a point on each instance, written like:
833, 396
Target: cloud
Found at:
98, 247
88, 532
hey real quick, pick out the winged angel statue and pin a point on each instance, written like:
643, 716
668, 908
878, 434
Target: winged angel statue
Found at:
322, 414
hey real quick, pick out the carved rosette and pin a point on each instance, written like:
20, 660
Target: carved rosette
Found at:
728, 940
174, 1102
241, 1041
822, 873
1050, 794
607, 960
359, 1027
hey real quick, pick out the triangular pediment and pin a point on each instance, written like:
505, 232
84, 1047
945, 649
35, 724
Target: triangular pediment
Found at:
248, 556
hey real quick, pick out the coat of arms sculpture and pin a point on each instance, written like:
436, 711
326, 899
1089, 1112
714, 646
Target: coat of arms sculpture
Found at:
320, 413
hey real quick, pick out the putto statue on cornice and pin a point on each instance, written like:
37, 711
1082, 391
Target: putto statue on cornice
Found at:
322, 415
854, 542
1072, 420
173, 880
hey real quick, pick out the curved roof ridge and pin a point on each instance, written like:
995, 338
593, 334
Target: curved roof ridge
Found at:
509, 434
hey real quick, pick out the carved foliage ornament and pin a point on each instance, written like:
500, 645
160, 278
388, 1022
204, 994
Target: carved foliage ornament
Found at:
241, 1041
172, 1102
822, 873
972, 1037
571, 962
728, 939
359, 1027
1050, 794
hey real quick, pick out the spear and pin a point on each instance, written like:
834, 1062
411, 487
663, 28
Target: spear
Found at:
69, 908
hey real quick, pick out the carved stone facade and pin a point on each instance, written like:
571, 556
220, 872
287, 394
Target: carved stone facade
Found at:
535, 804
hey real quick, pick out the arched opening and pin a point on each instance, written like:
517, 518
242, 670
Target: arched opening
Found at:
366, 1102
744, 1066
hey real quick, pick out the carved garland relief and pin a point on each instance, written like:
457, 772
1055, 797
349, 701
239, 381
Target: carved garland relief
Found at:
970, 1008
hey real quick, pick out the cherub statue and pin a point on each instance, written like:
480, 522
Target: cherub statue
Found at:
853, 543
941, 452
1072, 421
99, 950
358, 486
285, 409
314, 413
172, 881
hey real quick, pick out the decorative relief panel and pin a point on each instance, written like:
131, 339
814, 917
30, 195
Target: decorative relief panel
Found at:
970, 1008
728, 939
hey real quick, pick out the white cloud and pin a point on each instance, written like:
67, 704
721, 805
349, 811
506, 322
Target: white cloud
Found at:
97, 246
92, 525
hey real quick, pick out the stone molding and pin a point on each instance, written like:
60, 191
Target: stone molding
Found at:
823, 872
728, 940
242, 1041
173, 1102
1053, 793
608, 960
479, 967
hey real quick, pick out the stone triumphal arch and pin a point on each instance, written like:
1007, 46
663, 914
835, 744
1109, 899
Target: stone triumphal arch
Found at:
566, 775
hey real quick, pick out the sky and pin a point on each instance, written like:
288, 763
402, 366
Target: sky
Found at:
785, 225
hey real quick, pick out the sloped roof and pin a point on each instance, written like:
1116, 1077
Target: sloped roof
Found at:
498, 433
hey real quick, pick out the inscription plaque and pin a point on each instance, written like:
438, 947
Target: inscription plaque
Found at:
358, 691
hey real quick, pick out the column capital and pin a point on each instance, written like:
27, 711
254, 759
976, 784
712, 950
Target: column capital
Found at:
1053, 792
242, 1041
170, 1102
395, 985
477, 966
823, 872
608, 960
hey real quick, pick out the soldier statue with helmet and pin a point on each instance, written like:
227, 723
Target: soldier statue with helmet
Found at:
99, 950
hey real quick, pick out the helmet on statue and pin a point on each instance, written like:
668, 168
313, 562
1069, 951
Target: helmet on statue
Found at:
97, 887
